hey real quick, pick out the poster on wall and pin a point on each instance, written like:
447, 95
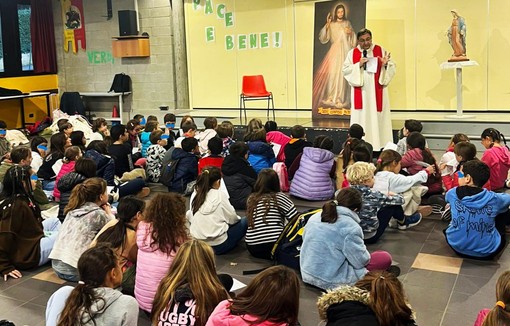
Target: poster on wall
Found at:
74, 24
335, 27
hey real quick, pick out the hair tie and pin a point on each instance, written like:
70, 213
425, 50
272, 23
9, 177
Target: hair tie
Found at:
81, 282
379, 161
348, 142
381, 277
501, 304
206, 171
335, 202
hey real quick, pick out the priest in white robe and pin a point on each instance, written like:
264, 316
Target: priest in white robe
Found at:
369, 70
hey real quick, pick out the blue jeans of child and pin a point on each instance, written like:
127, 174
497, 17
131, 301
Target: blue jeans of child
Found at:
51, 226
234, 234
48, 185
384, 216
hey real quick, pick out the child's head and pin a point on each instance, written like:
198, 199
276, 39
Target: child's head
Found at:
187, 118
189, 129
152, 118
3, 129
267, 182
91, 190
133, 127
215, 145
98, 266
464, 151
169, 120
225, 129
17, 181
253, 125
490, 136
78, 138
67, 128
387, 298
272, 295
499, 315
210, 123
347, 151
356, 131
256, 135
210, 178
138, 117
412, 125
189, 145
118, 133
264, 192
271, 126
167, 215
129, 214
347, 197
22, 156
61, 122
59, 142
457, 138
72, 153
389, 160
323, 142
361, 173
297, 132
39, 145
87, 167
98, 146
361, 154
416, 140
99, 125
239, 149
476, 173
151, 126
193, 265
155, 137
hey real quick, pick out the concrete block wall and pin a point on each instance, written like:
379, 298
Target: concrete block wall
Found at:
152, 78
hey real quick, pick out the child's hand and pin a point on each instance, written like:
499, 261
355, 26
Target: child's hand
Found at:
442, 166
431, 169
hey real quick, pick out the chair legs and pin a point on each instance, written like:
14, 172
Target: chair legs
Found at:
242, 106
270, 98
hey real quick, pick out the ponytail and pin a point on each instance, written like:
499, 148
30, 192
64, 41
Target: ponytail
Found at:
387, 298
71, 154
88, 191
349, 146
204, 183
500, 314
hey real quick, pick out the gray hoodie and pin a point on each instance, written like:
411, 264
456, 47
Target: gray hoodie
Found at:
117, 308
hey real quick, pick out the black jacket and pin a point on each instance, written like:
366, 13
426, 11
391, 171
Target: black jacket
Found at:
65, 186
239, 177
293, 149
185, 171
105, 166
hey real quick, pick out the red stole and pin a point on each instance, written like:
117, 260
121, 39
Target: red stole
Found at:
358, 97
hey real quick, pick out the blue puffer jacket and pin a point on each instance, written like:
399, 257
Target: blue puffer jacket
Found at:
105, 165
333, 254
145, 140
261, 155
185, 171
312, 180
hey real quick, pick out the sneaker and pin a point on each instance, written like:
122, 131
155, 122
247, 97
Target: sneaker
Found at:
144, 192
425, 210
393, 223
410, 221
394, 269
436, 209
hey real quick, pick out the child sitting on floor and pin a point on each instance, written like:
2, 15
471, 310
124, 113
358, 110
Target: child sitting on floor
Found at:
479, 216
214, 157
277, 139
210, 124
410, 126
498, 315
226, 132
356, 132
448, 163
496, 156
146, 134
296, 144
155, 154
378, 208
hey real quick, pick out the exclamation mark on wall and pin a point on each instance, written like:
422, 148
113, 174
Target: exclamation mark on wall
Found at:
277, 39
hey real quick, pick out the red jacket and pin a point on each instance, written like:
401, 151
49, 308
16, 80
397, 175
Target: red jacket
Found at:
216, 161
65, 169
411, 160
498, 160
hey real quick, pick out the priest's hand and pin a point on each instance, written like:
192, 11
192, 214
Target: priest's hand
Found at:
386, 58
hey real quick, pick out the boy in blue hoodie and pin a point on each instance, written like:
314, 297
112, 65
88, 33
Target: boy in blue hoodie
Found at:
477, 229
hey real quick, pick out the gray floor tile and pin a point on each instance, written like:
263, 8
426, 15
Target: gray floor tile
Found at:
430, 279
474, 284
428, 317
468, 304
424, 298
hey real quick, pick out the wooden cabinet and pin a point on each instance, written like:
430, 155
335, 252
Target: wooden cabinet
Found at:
131, 46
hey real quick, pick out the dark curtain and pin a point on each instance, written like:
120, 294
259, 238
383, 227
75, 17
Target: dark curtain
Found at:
42, 31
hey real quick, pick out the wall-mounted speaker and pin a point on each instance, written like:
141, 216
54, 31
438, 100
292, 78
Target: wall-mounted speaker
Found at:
127, 23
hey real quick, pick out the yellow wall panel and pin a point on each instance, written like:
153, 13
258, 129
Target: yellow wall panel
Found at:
10, 111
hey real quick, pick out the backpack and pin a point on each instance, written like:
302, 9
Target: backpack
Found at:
168, 172
283, 176
121, 83
287, 248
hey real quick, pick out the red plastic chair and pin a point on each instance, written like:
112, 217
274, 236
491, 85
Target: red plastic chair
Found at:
254, 89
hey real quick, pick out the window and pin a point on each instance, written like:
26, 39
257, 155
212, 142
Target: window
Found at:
15, 40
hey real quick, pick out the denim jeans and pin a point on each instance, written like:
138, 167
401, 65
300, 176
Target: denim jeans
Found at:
131, 187
48, 185
384, 216
234, 234
51, 226
65, 271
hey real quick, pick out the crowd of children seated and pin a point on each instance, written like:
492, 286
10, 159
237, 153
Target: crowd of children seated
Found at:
161, 256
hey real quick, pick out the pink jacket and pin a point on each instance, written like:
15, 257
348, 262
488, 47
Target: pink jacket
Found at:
221, 317
498, 160
65, 169
151, 266
481, 317
277, 137
410, 161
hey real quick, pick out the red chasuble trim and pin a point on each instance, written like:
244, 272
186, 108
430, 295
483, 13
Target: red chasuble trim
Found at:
358, 97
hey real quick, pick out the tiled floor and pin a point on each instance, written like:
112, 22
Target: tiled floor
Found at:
443, 289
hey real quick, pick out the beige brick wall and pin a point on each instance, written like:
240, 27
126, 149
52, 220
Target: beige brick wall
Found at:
152, 78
